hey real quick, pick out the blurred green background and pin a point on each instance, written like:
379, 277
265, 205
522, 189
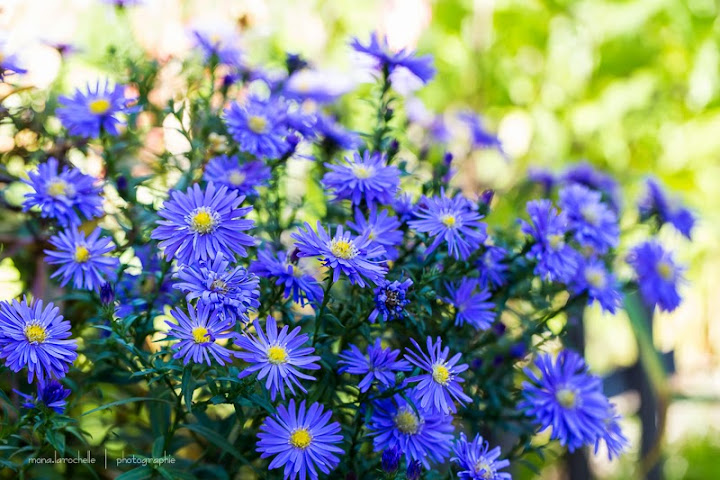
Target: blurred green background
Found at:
631, 86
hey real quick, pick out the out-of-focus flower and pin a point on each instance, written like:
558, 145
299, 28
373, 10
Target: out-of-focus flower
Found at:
656, 202
243, 177
378, 48
90, 113
594, 224
587, 175
492, 267
658, 275
82, 259
470, 305
599, 284
380, 364
318, 86
380, 228
259, 126
479, 136
299, 285
335, 135
363, 179
391, 459
9, 63
222, 44
50, 394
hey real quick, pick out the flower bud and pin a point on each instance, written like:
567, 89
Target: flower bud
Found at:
391, 459
414, 470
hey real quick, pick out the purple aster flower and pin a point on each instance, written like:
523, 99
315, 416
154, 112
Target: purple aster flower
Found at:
134, 292
199, 334
301, 286
567, 398
615, 442
378, 48
380, 228
454, 221
356, 257
423, 434
440, 384
585, 174
302, 440
259, 127
542, 177
8, 63
556, 260
277, 356
243, 177
50, 394
658, 275
390, 300
36, 338
667, 210
365, 178
601, 286
594, 224
320, 87
391, 459
232, 291
477, 461
380, 364
404, 206
414, 470
335, 135
220, 45
82, 259
492, 268
197, 225
470, 305
63, 194
479, 136
87, 114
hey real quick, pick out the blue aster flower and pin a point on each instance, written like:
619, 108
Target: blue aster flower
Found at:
658, 275
317, 86
425, 435
134, 292
379, 365
404, 206
334, 134
585, 174
439, 386
232, 291
243, 177
454, 221
259, 127
477, 461
9, 64
36, 338
301, 286
302, 440
667, 210
365, 178
356, 257
600, 285
615, 442
199, 333
221, 45
556, 260
279, 356
492, 268
471, 306
479, 136
391, 459
378, 48
82, 259
50, 394
594, 224
381, 228
414, 470
196, 225
564, 396
87, 114
543, 177
390, 300
63, 195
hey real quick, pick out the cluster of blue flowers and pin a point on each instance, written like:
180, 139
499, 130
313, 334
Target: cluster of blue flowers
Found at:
264, 293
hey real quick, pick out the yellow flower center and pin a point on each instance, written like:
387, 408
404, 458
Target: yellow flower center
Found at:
595, 277
219, 286
361, 171
200, 335
448, 220
257, 124
35, 333
484, 467
566, 397
344, 249
99, 106
372, 235
236, 177
277, 355
203, 220
300, 438
441, 374
407, 422
590, 215
58, 187
82, 254
665, 270
556, 241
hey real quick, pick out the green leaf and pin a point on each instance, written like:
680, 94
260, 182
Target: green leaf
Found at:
188, 387
123, 402
217, 440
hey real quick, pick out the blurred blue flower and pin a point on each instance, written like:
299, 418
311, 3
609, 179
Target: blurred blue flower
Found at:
380, 364
363, 179
378, 48
658, 275
477, 461
615, 442
88, 114
62, 194
81, 259
667, 210
381, 228
391, 459
259, 127
244, 177
50, 394
471, 306
9, 64
601, 286
479, 136
585, 174
334, 134
492, 268
593, 223
224, 46
301, 440
301, 286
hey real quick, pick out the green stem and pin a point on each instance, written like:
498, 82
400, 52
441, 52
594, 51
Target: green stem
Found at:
321, 310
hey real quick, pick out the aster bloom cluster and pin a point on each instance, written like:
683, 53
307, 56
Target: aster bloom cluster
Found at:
293, 298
